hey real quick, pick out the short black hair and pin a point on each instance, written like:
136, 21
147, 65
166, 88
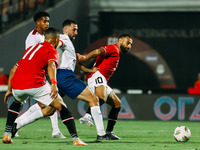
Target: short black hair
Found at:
69, 22
40, 14
51, 31
124, 35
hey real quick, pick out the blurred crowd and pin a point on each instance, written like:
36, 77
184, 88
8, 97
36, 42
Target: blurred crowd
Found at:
3, 77
14, 11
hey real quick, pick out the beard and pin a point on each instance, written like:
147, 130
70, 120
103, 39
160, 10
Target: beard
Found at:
72, 38
123, 49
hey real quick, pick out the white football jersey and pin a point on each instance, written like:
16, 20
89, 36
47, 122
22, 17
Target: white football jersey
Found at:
68, 57
33, 38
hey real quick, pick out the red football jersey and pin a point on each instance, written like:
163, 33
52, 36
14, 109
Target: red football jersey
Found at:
197, 84
107, 64
32, 67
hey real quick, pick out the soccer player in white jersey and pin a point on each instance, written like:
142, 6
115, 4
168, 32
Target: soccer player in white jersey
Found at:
42, 24
69, 84
34, 37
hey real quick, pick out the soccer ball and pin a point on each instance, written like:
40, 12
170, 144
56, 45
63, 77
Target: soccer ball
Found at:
182, 134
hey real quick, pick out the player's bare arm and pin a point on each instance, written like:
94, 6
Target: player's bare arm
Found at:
9, 90
83, 68
60, 44
52, 75
92, 54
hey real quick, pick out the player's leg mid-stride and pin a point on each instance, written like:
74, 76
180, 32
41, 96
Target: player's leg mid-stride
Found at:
114, 102
57, 103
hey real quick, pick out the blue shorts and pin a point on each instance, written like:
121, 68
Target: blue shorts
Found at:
69, 84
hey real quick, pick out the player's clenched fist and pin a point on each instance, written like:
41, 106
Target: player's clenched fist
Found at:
7, 96
54, 91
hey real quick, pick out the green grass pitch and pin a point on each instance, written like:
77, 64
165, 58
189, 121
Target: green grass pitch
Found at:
136, 135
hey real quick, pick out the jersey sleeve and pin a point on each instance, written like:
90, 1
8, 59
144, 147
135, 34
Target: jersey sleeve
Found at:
64, 43
54, 55
61, 41
30, 41
18, 63
107, 49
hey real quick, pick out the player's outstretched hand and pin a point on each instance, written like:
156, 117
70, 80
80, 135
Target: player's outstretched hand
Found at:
54, 91
94, 69
7, 96
80, 57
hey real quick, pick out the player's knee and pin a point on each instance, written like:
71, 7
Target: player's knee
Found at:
118, 104
48, 111
59, 107
94, 101
102, 97
41, 105
56, 103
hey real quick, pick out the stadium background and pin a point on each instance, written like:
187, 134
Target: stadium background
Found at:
154, 76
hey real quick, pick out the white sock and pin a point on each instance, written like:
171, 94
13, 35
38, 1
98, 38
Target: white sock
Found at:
8, 134
54, 122
28, 117
25, 116
97, 116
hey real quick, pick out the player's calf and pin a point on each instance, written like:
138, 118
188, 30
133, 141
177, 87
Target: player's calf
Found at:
14, 130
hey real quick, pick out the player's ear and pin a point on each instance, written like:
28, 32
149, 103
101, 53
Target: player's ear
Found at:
57, 41
66, 29
38, 22
120, 41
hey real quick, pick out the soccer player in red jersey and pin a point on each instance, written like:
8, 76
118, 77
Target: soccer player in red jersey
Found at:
34, 37
27, 79
107, 61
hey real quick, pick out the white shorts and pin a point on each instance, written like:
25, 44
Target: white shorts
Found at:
96, 80
41, 94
